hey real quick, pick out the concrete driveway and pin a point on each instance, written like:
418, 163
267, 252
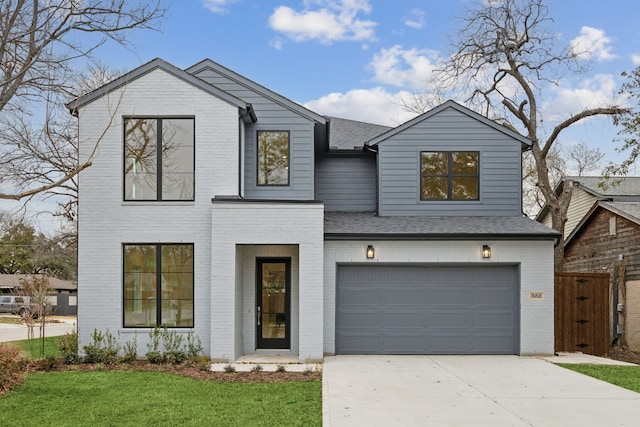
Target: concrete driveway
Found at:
468, 391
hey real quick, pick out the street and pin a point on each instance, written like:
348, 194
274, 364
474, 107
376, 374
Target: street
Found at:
60, 326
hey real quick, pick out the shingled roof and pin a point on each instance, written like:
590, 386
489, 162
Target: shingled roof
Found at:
347, 134
341, 225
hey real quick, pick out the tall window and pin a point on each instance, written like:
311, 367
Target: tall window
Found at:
159, 158
273, 158
158, 285
449, 175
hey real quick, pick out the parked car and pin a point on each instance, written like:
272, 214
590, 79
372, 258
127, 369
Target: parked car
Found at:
20, 305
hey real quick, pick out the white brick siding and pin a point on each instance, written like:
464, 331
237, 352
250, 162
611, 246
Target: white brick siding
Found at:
105, 221
240, 232
535, 259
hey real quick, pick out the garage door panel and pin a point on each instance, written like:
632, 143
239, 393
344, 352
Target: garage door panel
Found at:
386, 309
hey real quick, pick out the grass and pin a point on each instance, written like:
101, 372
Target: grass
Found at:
33, 348
623, 376
126, 398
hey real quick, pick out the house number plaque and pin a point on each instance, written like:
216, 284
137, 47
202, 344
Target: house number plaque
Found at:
536, 296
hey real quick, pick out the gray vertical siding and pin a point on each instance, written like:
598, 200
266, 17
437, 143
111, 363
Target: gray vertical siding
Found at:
450, 130
347, 182
273, 116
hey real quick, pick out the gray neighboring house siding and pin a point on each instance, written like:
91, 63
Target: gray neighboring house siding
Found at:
449, 129
346, 182
272, 115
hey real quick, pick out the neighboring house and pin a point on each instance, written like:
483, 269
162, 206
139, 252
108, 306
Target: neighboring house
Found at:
603, 228
62, 295
218, 206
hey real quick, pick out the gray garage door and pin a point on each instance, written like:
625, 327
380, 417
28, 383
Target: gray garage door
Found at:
426, 310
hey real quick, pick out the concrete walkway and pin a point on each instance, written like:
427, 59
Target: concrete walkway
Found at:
468, 391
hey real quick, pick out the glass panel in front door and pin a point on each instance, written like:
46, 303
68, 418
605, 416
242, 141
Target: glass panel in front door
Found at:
273, 301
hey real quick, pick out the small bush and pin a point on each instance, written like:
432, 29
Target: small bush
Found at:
194, 345
257, 368
130, 350
229, 368
281, 368
103, 349
68, 346
12, 367
47, 363
172, 343
154, 355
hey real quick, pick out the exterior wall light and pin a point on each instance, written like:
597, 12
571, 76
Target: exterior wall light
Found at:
486, 251
370, 252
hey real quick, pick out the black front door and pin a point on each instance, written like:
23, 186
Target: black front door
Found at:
273, 303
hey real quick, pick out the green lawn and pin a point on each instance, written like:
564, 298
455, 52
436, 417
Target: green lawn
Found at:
33, 348
130, 398
623, 376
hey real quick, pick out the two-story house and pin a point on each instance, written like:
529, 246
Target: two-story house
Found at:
218, 206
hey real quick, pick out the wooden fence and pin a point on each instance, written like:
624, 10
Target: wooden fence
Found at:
582, 313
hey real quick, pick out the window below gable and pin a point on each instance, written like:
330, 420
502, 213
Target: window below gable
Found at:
273, 158
159, 159
449, 175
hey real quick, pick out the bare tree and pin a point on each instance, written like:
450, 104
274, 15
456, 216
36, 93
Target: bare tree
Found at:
40, 44
504, 57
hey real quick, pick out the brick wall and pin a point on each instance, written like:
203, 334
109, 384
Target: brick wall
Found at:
535, 259
105, 221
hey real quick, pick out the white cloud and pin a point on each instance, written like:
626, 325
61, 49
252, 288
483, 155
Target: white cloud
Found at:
635, 59
410, 68
599, 91
333, 20
217, 6
368, 105
415, 19
592, 43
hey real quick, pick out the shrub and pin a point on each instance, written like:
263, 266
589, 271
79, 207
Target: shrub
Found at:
130, 350
229, 368
257, 368
47, 363
172, 343
12, 367
281, 368
194, 345
103, 349
68, 346
154, 355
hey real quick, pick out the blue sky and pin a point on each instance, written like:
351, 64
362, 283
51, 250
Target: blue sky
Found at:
357, 58
353, 58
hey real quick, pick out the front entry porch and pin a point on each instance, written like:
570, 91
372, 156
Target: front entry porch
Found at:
267, 280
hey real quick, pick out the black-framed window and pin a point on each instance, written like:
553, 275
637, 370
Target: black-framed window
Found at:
449, 175
159, 158
273, 157
158, 285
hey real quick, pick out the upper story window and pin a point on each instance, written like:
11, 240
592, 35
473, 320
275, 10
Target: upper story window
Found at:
158, 285
449, 175
159, 159
273, 157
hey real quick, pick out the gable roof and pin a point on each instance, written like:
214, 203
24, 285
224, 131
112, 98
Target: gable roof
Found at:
147, 68
627, 210
526, 143
345, 134
614, 188
617, 188
250, 84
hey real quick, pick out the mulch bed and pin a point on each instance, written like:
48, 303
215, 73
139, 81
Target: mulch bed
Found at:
624, 354
192, 370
